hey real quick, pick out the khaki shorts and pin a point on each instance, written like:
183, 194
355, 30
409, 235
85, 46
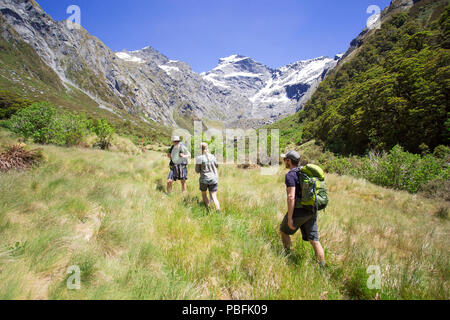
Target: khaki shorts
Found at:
304, 220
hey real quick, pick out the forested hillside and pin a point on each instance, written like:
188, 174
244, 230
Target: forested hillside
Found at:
393, 91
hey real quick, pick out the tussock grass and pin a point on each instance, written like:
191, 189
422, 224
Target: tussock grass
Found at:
107, 213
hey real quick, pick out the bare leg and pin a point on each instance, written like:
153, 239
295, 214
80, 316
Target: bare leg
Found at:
183, 185
319, 251
169, 186
205, 199
286, 241
216, 201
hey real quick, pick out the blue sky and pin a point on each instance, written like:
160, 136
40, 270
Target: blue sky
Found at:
199, 32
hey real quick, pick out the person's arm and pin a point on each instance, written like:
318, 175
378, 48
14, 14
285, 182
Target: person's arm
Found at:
291, 206
185, 153
198, 165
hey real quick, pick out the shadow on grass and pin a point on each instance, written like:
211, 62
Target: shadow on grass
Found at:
298, 255
160, 187
192, 201
198, 208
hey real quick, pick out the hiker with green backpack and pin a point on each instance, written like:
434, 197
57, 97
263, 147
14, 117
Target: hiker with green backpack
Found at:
306, 196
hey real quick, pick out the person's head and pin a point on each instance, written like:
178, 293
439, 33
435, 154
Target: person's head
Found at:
204, 147
176, 140
291, 159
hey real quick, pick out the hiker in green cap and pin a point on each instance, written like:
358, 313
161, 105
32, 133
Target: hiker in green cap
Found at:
179, 158
207, 166
298, 217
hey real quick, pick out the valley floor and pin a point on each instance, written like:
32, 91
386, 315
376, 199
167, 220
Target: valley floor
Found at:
107, 213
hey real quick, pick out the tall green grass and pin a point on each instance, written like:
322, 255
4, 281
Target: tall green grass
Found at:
107, 213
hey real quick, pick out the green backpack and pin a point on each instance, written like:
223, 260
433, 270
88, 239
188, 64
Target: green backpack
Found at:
314, 188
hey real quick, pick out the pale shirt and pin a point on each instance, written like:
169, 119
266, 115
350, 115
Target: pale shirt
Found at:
207, 166
176, 159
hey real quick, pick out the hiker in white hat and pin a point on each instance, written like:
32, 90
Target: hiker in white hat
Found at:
179, 158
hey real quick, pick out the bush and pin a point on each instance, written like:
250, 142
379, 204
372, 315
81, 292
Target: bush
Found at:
73, 128
406, 171
442, 152
397, 169
104, 132
34, 122
45, 124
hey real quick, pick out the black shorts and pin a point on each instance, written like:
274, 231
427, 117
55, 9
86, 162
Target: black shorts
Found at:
210, 187
304, 220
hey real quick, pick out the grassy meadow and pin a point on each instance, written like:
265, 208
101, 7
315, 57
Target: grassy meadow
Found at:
107, 213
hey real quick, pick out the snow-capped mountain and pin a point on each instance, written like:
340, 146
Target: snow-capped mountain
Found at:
272, 93
148, 85
143, 83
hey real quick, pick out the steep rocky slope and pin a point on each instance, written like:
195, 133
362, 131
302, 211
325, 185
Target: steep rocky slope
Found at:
148, 85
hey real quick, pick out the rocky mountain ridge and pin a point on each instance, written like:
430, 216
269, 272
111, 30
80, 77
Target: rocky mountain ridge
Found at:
150, 86
273, 93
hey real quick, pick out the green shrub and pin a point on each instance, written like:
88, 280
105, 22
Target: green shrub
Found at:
35, 122
73, 128
397, 169
442, 152
104, 132
45, 124
406, 171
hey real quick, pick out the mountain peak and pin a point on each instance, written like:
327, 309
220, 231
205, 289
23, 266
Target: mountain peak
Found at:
232, 59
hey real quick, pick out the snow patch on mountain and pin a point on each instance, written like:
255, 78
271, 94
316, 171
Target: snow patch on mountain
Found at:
232, 59
214, 81
170, 70
273, 93
242, 74
125, 56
